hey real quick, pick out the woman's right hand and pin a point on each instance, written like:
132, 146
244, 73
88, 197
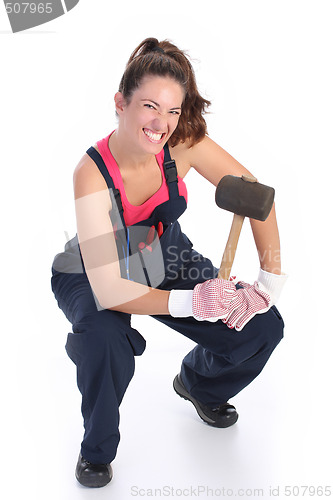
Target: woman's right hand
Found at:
209, 300
212, 299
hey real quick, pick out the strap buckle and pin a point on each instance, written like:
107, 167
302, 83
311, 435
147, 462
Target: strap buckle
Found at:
170, 171
117, 197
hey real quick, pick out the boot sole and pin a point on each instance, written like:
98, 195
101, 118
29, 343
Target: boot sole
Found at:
93, 483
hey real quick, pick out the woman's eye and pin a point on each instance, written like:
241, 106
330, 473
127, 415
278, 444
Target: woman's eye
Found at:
149, 106
175, 113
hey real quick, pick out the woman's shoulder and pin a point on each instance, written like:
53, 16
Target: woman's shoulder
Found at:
181, 154
87, 178
185, 154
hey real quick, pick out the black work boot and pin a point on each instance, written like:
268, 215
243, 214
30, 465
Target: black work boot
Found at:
223, 415
92, 475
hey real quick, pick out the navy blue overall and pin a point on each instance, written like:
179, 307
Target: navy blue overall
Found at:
103, 344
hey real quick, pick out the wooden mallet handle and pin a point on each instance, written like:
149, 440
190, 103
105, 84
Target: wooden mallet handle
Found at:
231, 246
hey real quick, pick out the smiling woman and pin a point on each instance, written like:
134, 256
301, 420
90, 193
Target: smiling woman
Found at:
130, 256
166, 60
150, 116
160, 114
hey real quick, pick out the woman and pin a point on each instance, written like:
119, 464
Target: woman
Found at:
132, 258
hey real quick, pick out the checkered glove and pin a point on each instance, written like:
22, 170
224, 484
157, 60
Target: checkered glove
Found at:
254, 299
208, 301
212, 299
219, 299
247, 302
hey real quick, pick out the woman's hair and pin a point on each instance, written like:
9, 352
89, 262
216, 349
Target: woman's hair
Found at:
164, 59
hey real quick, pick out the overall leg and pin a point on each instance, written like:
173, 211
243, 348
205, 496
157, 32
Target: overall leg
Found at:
224, 361
102, 346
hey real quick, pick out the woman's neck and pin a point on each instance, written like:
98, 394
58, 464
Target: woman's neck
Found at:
128, 158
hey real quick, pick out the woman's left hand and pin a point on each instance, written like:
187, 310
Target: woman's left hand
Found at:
247, 302
254, 299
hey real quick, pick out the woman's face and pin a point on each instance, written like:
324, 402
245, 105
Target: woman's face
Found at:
152, 114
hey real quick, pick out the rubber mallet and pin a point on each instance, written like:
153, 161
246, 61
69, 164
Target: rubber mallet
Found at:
245, 197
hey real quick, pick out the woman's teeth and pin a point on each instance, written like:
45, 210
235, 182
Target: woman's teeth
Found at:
152, 136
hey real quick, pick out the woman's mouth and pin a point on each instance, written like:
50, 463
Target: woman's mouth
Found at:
153, 136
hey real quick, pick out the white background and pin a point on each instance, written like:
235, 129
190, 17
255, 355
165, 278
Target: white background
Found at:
267, 67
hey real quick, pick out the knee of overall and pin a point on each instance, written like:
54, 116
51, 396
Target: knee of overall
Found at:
261, 335
103, 333
269, 328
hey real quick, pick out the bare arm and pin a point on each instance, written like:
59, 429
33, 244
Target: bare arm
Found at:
99, 250
213, 162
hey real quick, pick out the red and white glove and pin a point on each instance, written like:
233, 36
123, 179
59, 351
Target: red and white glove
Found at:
248, 301
254, 299
208, 301
271, 284
219, 299
212, 299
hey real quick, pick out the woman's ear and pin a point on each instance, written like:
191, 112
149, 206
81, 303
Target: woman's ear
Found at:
120, 102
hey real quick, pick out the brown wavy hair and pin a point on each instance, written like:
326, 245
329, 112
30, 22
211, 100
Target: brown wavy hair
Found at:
163, 58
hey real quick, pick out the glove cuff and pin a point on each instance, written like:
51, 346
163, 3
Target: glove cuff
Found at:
180, 303
271, 284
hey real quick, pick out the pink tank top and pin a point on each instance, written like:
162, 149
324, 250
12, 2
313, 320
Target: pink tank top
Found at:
134, 213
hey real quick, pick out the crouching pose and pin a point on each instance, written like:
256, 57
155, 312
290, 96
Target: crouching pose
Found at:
130, 256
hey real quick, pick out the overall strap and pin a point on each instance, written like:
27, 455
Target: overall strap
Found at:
170, 172
97, 158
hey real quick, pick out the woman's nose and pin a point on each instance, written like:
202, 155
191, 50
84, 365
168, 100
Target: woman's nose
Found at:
160, 122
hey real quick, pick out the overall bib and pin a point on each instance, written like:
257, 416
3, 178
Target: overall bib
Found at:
103, 344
